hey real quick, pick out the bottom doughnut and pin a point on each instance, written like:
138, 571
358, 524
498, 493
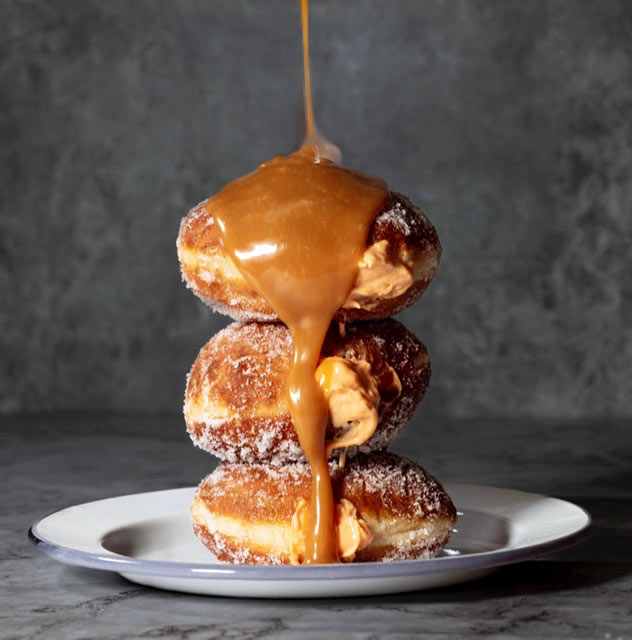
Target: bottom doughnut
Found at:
243, 512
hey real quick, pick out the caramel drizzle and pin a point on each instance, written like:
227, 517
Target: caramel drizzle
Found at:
314, 139
307, 78
296, 229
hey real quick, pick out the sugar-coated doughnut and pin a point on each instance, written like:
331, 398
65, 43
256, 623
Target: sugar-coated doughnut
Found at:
401, 232
236, 404
243, 512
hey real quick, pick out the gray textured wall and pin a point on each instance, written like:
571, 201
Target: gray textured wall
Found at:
510, 122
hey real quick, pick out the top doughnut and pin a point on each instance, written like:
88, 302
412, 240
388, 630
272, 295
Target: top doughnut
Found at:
402, 257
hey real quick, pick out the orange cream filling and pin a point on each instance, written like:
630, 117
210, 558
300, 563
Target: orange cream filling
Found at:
380, 277
352, 532
353, 399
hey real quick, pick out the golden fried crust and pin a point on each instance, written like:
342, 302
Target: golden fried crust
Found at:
210, 273
236, 397
243, 513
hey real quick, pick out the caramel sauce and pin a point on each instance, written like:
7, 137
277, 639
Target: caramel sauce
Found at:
296, 229
307, 76
314, 139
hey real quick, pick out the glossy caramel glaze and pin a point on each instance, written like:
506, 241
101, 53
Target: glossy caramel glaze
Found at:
210, 273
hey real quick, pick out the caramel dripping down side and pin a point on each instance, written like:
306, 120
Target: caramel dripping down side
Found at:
296, 229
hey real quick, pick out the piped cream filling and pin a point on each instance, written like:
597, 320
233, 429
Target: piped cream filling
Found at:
353, 399
379, 278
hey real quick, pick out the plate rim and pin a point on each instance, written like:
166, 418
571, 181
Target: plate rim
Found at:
108, 561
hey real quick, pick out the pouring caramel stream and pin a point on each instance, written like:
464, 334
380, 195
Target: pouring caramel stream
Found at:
296, 228
314, 139
307, 77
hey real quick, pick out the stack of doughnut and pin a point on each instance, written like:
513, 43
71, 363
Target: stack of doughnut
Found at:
236, 405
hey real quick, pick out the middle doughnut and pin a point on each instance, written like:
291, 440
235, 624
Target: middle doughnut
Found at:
373, 375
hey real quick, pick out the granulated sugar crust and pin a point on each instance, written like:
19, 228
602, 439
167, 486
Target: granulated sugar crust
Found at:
407, 510
236, 398
383, 484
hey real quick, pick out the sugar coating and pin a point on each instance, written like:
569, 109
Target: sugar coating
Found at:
231, 310
412, 513
271, 446
394, 215
230, 437
403, 487
412, 223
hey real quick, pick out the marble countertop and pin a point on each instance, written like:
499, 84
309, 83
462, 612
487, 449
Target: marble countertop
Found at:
53, 461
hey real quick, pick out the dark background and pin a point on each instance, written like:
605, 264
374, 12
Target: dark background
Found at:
509, 122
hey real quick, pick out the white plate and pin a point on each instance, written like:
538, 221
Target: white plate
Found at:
147, 538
